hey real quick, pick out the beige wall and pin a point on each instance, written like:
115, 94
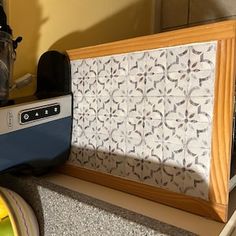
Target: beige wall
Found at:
66, 24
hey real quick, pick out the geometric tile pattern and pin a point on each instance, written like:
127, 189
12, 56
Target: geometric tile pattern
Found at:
147, 116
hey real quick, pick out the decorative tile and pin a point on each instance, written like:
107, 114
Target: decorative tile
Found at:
103, 106
119, 106
174, 132
78, 117
117, 166
154, 108
153, 151
156, 62
176, 84
134, 147
195, 185
77, 86
147, 116
104, 86
118, 145
118, 126
178, 59
197, 174
198, 135
89, 151
134, 159
90, 106
104, 66
103, 153
118, 152
74, 68
153, 130
133, 168
203, 56
75, 156
89, 67
200, 109
152, 167
84, 151
175, 108
76, 133
119, 86
198, 160
134, 129
136, 85
120, 65
152, 173
201, 84
103, 125
137, 63
90, 124
155, 85
173, 172
90, 87
78, 104
135, 107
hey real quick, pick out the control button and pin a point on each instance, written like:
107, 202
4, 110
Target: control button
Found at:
26, 116
34, 114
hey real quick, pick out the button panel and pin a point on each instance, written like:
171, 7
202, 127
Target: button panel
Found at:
34, 114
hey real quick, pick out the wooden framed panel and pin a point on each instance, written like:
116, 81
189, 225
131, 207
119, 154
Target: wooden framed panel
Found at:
213, 49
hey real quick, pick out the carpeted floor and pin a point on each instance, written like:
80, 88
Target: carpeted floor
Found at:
67, 213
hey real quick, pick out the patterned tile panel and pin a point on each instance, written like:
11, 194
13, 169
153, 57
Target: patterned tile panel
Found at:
147, 116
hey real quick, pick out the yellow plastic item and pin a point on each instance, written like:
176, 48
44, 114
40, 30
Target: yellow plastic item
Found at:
3, 210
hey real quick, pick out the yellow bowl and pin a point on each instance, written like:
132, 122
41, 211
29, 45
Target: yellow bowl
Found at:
21, 215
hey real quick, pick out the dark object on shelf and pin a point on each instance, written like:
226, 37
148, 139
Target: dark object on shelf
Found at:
53, 76
7, 56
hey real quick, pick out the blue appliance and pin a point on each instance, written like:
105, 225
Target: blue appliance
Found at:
35, 135
35, 132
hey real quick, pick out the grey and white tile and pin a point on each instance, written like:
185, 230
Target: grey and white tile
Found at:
178, 59
147, 116
203, 56
155, 85
156, 62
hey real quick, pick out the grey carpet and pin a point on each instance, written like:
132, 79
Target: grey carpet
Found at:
67, 213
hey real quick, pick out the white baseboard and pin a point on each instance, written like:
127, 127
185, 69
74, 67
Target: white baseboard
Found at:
230, 227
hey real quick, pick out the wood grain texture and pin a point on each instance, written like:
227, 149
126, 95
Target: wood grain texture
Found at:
187, 203
222, 122
216, 31
224, 33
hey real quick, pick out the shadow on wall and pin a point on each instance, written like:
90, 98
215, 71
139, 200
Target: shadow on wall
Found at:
29, 13
122, 25
158, 171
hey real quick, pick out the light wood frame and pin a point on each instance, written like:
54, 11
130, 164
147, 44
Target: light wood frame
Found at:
224, 33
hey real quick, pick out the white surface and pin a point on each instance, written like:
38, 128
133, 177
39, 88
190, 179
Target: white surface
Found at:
232, 183
230, 228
